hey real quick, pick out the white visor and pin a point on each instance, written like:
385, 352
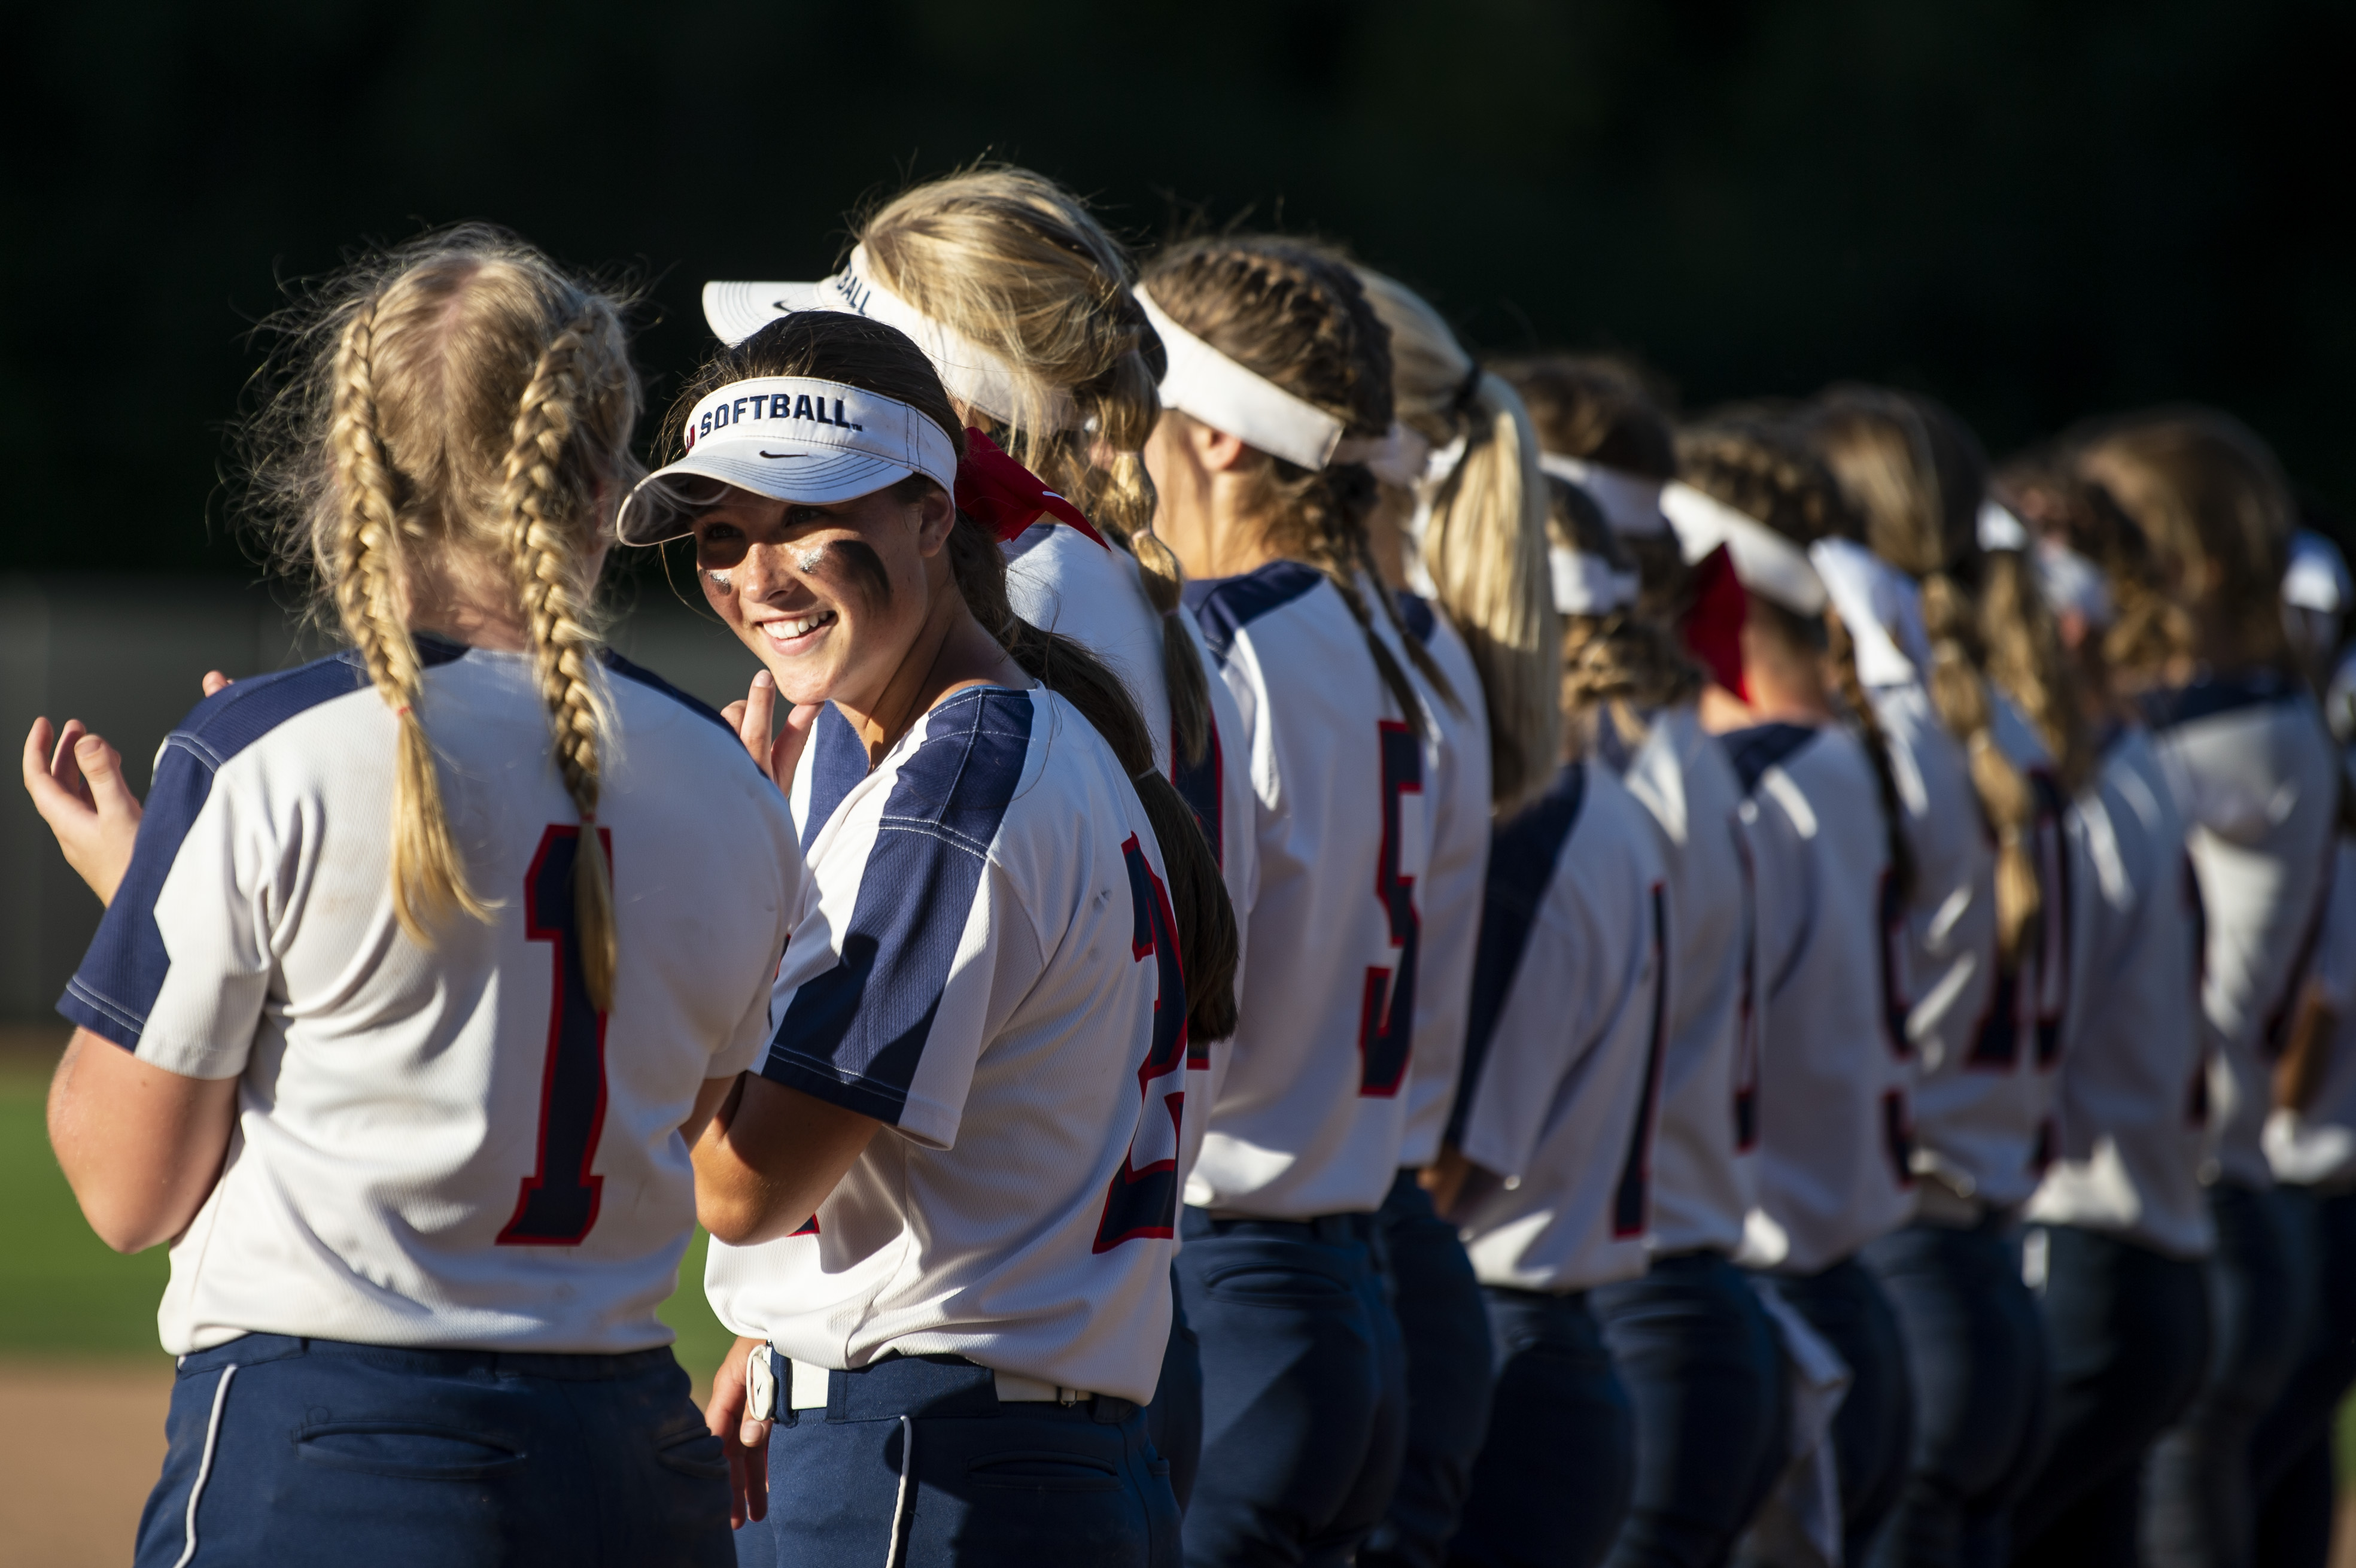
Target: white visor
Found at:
1765, 561
1631, 503
791, 438
1881, 608
973, 374
1225, 395
1999, 529
2318, 578
1587, 584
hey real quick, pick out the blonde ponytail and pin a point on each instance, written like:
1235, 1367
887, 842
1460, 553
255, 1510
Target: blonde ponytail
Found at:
546, 563
1959, 695
429, 875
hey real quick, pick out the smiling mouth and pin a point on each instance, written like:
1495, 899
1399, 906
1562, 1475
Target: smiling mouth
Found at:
786, 629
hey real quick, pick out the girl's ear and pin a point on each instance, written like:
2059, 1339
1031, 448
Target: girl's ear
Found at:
935, 516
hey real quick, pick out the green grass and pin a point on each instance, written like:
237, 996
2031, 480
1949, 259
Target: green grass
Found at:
64, 1294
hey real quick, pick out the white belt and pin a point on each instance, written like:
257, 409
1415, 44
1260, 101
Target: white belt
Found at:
809, 1391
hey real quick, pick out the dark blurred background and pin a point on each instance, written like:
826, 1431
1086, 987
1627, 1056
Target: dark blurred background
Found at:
2034, 210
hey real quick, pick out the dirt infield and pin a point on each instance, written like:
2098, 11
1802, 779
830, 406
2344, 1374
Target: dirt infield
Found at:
79, 1446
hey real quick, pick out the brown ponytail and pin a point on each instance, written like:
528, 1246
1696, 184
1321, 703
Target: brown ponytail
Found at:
1625, 660
1916, 477
862, 353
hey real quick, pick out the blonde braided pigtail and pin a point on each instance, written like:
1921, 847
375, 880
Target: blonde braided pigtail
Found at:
1960, 695
362, 556
564, 641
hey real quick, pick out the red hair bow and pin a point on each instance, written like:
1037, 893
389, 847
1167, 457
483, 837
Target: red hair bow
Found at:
1006, 498
1713, 627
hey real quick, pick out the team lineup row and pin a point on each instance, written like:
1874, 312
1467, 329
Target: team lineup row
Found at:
1306, 951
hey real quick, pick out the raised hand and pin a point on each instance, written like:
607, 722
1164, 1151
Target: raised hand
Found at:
76, 781
754, 719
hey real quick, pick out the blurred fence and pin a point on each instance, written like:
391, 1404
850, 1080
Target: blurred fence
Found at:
123, 654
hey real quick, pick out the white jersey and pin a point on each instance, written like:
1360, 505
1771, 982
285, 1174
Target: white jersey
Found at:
1456, 761
1835, 1132
1983, 1101
2127, 1111
2258, 781
1310, 1118
1060, 580
989, 971
1560, 1087
1701, 1172
449, 1147
2316, 1146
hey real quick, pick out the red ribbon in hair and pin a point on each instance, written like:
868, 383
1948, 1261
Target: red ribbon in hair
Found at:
1712, 629
1006, 498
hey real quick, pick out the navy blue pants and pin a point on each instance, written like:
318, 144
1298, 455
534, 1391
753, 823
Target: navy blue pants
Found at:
914, 1456
1446, 1326
1304, 1388
1875, 1427
1978, 1366
2198, 1509
1174, 1422
1555, 1474
1704, 1372
295, 1452
2290, 1454
2129, 1331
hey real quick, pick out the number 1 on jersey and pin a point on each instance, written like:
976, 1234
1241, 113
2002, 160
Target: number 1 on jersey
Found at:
559, 1200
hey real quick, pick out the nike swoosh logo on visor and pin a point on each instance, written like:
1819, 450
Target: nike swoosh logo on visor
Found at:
785, 454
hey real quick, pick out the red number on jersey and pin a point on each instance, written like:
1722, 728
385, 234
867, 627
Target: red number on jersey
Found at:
1143, 1198
559, 1200
1387, 1016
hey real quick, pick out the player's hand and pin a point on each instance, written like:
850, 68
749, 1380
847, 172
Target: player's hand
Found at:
746, 1442
77, 785
754, 719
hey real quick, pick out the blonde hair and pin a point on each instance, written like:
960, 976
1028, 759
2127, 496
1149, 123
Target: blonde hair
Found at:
1019, 265
1302, 320
2209, 496
1916, 477
1623, 662
459, 397
1485, 546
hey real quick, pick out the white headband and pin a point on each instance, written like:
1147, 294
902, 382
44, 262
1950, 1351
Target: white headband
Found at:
2071, 583
792, 438
1631, 503
1881, 608
1587, 584
1226, 396
1999, 530
972, 374
2318, 578
1766, 562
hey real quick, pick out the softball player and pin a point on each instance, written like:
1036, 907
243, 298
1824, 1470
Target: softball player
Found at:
1278, 386
1547, 1159
2253, 773
956, 1313
1986, 951
1692, 1343
2118, 1225
1021, 299
387, 914
1833, 1168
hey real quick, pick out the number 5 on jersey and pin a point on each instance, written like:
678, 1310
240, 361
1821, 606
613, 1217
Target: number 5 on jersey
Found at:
559, 1200
1386, 1015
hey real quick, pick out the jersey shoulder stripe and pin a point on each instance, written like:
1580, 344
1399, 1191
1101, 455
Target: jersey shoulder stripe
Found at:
838, 762
1222, 607
641, 675
1755, 750
1416, 615
1522, 859
113, 991
2168, 708
853, 1036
